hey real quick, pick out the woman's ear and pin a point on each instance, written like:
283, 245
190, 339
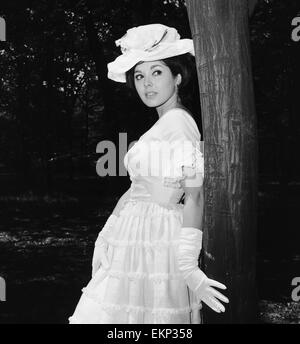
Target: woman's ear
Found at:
179, 79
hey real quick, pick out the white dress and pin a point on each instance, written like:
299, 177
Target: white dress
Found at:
143, 284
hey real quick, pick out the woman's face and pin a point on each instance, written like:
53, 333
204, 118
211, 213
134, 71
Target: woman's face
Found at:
155, 83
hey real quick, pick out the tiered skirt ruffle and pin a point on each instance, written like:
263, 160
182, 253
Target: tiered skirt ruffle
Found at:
142, 284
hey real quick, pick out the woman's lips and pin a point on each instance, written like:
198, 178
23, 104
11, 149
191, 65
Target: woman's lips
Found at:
150, 94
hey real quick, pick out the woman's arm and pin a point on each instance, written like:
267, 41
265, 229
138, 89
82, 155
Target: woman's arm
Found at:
190, 248
120, 203
193, 205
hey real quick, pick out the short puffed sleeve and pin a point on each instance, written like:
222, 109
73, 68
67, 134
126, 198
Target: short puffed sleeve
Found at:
184, 161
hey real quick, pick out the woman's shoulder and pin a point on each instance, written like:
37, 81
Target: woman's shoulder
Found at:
179, 119
178, 112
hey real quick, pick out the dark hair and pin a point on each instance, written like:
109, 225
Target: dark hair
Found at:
181, 64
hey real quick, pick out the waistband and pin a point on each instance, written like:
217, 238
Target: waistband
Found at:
167, 205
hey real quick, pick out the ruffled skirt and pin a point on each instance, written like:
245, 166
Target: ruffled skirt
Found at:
143, 284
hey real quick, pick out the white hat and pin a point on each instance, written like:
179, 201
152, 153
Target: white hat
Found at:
147, 43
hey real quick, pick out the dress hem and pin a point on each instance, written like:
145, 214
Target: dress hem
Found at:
141, 309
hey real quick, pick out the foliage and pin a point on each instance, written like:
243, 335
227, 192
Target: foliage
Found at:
55, 99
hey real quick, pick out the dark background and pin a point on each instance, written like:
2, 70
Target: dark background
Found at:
56, 104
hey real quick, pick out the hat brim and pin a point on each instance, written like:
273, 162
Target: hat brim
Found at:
124, 62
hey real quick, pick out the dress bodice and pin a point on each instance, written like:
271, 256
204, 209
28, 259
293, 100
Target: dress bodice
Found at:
155, 161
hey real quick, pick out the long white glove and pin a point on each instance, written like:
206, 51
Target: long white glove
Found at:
101, 246
189, 249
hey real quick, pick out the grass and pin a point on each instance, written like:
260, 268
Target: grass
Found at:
47, 244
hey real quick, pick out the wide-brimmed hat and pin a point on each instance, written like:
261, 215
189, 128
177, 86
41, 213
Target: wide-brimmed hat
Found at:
147, 43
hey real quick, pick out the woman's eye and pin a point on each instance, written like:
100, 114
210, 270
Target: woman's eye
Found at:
140, 76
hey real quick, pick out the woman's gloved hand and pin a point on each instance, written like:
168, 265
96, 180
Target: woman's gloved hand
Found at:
203, 287
100, 252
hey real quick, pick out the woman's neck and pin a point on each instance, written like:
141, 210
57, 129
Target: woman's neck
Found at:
172, 103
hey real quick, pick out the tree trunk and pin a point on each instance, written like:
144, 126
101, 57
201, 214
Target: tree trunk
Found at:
221, 37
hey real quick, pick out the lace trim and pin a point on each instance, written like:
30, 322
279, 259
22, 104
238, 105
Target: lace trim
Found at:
155, 244
159, 277
173, 182
194, 159
140, 309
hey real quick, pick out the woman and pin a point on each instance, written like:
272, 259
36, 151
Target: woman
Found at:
145, 263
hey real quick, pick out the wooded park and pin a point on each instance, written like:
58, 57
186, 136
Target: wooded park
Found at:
57, 104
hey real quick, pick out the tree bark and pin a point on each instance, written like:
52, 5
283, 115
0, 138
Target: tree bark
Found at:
220, 33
